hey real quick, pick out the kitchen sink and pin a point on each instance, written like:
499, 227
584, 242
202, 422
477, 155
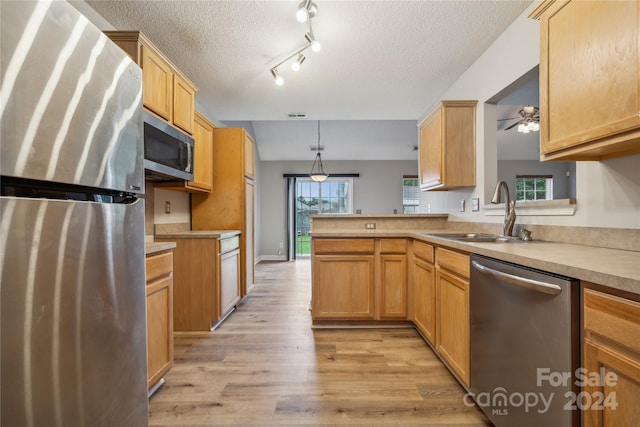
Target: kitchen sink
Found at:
473, 237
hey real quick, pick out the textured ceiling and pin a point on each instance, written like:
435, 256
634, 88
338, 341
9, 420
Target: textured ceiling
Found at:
380, 60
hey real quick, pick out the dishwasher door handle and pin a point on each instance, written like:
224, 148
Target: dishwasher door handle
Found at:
534, 285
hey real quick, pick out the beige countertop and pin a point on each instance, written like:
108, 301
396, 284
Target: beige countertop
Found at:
154, 247
615, 268
198, 234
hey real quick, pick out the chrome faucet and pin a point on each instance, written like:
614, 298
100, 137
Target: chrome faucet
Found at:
509, 207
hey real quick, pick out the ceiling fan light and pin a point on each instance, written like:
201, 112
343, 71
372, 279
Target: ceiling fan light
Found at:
535, 126
521, 127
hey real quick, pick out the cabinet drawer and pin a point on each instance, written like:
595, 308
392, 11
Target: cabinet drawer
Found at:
423, 250
612, 317
393, 246
328, 246
159, 265
229, 244
453, 261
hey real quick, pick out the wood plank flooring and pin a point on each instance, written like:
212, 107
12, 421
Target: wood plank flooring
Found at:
265, 366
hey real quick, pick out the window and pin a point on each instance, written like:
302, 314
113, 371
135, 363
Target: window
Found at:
534, 187
410, 193
333, 196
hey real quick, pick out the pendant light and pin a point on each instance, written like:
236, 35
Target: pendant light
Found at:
317, 170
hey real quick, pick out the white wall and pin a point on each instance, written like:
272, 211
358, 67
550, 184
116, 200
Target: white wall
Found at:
378, 190
606, 192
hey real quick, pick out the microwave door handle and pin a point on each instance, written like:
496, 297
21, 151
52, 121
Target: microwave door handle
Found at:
189, 167
534, 285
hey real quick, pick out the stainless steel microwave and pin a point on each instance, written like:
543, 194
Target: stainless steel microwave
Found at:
168, 152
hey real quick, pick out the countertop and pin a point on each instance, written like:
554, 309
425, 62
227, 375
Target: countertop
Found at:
199, 234
615, 268
154, 247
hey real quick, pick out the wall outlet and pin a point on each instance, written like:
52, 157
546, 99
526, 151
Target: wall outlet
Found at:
475, 204
370, 226
462, 203
281, 245
167, 207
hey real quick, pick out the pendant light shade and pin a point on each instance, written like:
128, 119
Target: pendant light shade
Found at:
317, 170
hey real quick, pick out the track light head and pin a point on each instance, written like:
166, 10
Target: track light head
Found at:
279, 79
295, 65
315, 44
306, 10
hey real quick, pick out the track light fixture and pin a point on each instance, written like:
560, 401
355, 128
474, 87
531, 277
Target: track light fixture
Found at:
308, 9
317, 170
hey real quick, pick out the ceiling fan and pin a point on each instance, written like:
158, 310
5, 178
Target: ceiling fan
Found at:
529, 119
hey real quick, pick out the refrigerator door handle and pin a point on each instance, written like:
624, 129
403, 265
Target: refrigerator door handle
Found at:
534, 285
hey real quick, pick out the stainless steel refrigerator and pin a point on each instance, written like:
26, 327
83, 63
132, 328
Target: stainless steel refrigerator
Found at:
72, 261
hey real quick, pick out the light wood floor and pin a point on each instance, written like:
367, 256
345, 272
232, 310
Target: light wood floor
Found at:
265, 366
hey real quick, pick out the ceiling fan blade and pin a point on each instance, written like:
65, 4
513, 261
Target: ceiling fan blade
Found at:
514, 125
510, 118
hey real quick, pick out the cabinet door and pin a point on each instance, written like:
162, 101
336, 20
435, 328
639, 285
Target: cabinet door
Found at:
343, 287
229, 280
452, 322
424, 299
183, 104
159, 328
611, 353
614, 404
203, 154
157, 83
431, 151
589, 79
393, 286
249, 162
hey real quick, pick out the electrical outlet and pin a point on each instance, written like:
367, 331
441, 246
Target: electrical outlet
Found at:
167, 207
475, 204
462, 203
370, 226
281, 245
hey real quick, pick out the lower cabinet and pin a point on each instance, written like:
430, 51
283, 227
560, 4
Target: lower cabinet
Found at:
207, 281
424, 290
359, 279
159, 267
452, 310
611, 355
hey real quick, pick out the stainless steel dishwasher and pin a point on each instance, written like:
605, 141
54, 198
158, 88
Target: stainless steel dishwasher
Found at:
524, 344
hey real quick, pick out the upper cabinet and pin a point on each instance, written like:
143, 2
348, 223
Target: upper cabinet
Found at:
202, 161
166, 91
448, 146
589, 79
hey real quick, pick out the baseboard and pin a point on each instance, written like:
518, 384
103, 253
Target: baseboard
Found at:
271, 258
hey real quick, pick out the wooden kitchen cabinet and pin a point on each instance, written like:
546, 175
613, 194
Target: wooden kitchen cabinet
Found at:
589, 79
230, 204
159, 278
392, 279
203, 160
167, 92
452, 310
207, 280
424, 290
611, 347
448, 146
359, 279
343, 279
